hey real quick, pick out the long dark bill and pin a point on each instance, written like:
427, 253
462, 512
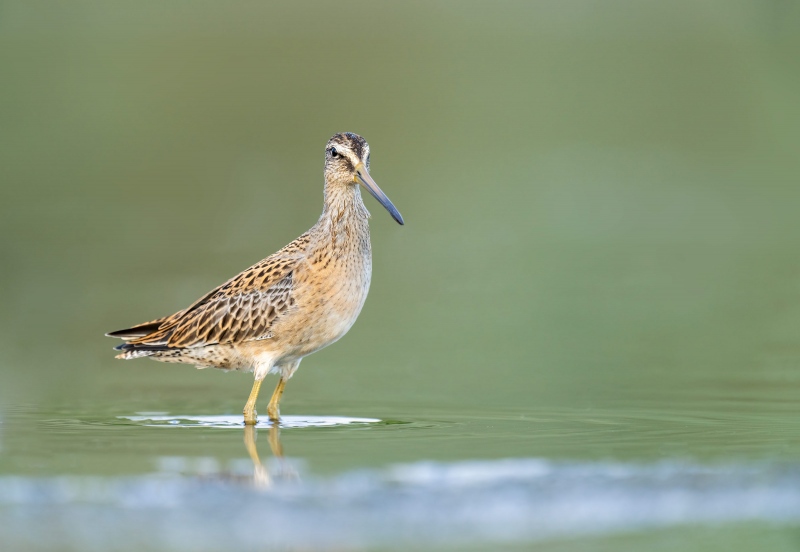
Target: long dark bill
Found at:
366, 180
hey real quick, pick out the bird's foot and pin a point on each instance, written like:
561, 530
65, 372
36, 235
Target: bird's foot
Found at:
274, 413
250, 417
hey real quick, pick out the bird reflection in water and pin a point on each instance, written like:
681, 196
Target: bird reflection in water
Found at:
261, 475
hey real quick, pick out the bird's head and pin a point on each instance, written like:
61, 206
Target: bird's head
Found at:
347, 163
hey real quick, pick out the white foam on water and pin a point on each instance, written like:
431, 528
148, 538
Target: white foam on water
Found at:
162, 420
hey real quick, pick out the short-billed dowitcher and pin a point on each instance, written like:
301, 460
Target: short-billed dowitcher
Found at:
291, 304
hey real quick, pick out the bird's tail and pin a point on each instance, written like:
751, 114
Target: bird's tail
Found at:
136, 339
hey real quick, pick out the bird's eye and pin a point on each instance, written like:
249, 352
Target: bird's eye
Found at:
334, 153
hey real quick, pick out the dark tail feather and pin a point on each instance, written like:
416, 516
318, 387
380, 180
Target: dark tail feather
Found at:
137, 331
140, 347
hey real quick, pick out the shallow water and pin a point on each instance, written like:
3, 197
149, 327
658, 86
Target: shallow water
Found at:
343, 483
196, 507
585, 337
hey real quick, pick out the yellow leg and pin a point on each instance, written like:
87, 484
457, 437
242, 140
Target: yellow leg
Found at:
250, 416
272, 409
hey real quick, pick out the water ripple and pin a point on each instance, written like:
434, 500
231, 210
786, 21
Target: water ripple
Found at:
161, 420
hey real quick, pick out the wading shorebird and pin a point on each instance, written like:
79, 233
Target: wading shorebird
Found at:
291, 304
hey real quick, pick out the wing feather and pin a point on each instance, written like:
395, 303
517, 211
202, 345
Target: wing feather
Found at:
228, 318
242, 309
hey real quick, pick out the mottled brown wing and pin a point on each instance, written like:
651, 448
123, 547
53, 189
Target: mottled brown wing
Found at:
242, 309
234, 317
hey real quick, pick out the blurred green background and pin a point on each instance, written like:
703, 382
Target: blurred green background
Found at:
600, 260
601, 204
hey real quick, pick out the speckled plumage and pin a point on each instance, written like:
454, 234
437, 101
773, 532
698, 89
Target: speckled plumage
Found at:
293, 303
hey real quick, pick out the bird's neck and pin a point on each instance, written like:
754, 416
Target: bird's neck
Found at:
342, 232
343, 205
343, 227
